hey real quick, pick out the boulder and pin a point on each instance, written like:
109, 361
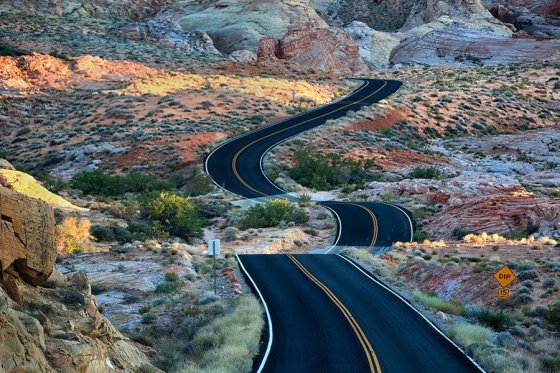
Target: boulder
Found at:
446, 41
375, 46
27, 237
243, 55
315, 47
5, 165
240, 24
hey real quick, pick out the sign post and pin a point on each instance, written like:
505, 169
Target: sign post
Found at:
214, 250
504, 276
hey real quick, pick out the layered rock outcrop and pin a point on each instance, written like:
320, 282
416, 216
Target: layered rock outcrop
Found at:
540, 18
60, 329
240, 24
27, 240
316, 47
129, 9
447, 41
375, 46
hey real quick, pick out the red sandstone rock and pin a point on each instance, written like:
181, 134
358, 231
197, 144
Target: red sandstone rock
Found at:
268, 48
313, 46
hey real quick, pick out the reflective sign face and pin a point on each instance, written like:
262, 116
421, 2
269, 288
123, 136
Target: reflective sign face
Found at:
503, 293
504, 276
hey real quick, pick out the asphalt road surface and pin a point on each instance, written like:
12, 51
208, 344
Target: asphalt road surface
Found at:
237, 167
324, 313
328, 316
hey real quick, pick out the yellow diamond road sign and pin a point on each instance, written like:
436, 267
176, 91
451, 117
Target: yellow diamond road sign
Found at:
505, 276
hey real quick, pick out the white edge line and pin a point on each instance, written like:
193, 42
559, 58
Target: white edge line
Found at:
339, 234
415, 310
405, 214
269, 319
261, 161
366, 83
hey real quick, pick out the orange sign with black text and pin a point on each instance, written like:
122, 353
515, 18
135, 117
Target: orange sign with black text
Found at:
504, 276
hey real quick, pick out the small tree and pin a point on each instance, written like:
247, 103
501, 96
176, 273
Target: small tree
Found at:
272, 213
173, 214
72, 235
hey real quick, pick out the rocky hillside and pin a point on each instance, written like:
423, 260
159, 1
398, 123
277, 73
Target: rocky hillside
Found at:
50, 322
321, 34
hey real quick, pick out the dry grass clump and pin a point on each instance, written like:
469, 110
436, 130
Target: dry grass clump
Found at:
496, 238
432, 301
272, 88
72, 235
229, 343
483, 238
373, 263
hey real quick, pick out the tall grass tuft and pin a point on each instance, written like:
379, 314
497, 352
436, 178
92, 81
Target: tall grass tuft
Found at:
229, 343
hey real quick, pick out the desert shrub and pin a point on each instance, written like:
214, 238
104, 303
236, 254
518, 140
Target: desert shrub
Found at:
325, 172
419, 236
230, 234
229, 343
548, 283
98, 183
459, 233
54, 184
171, 276
426, 173
136, 231
168, 287
467, 334
552, 315
530, 274
199, 185
433, 301
73, 296
148, 317
173, 214
271, 213
73, 234
498, 321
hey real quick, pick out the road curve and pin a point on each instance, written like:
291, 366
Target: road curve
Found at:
324, 313
328, 316
237, 167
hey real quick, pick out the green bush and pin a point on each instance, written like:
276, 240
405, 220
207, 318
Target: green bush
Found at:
199, 185
426, 173
171, 276
432, 301
54, 184
136, 231
173, 214
98, 183
271, 213
419, 236
168, 287
325, 172
498, 321
552, 315
148, 317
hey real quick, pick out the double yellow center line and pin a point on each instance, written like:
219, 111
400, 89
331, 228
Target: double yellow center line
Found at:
236, 156
370, 354
375, 225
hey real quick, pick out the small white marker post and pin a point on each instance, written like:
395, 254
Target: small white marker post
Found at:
214, 249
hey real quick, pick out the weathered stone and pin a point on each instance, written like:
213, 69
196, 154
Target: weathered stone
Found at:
316, 47
27, 236
375, 46
453, 42
4, 164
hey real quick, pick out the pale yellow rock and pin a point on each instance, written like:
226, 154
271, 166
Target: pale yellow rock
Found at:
26, 184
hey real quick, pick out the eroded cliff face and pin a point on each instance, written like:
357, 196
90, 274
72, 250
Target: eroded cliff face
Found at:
49, 322
27, 247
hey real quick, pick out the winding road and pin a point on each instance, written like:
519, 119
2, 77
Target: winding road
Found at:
324, 312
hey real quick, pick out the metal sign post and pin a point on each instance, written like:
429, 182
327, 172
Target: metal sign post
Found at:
214, 250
